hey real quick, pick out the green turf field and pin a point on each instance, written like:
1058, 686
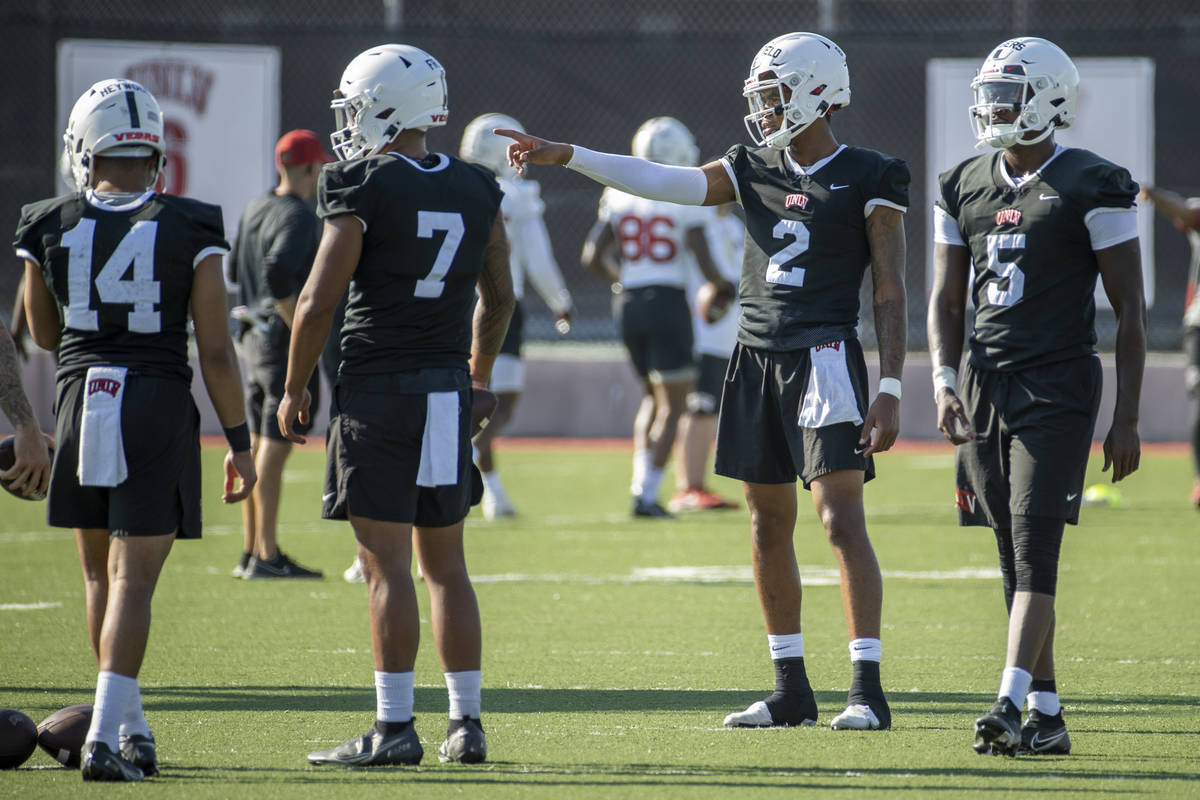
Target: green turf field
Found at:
613, 648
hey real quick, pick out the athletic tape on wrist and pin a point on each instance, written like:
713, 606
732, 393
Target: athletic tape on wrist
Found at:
890, 386
944, 378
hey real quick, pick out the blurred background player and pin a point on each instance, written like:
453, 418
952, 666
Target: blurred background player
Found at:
127, 265
1185, 216
1026, 229
795, 398
413, 234
530, 255
276, 243
647, 249
726, 235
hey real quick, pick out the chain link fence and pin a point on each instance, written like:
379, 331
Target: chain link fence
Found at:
593, 72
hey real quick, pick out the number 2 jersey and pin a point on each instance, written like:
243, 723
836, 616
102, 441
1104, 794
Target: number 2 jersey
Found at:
1032, 245
806, 240
426, 225
122, 275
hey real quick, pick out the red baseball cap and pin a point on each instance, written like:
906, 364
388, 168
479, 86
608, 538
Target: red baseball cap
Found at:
299, 147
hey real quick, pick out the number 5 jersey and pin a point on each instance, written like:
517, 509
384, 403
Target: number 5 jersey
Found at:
120, 268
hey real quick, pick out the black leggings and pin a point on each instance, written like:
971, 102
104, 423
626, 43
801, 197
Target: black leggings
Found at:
1029, 555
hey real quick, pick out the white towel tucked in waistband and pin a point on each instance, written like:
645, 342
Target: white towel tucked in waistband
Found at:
101, 448
439, 444
829, 398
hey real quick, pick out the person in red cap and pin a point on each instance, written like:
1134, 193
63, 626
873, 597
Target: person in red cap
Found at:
276, 243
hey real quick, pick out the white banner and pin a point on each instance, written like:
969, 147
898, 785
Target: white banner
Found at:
1114, 119
220, 108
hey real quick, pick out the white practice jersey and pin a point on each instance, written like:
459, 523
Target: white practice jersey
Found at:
726, 237
651, 238
530, 253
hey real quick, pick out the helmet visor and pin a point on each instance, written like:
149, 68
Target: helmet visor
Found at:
1001, 93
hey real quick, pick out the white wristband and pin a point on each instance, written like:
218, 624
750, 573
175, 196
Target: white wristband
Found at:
890, 386
944, 378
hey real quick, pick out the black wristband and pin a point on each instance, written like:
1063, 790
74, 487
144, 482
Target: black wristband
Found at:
238, 437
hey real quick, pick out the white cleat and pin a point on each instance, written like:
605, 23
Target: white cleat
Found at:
496, 506
354, 573
856, 717
756, 716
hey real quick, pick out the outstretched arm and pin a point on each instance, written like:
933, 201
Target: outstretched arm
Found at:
709, 185
1173, 206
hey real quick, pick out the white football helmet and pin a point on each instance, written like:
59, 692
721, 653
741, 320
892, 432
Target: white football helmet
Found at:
1033, 78
115, 118
798, 75
481, 146
667, 141
385, 90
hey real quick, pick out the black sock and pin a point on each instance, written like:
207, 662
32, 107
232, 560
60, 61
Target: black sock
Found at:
792, 702
244, 561
1043, 686
866, 688
391, 728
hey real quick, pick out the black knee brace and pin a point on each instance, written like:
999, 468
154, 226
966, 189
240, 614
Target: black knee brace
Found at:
1036, 544
1004, 546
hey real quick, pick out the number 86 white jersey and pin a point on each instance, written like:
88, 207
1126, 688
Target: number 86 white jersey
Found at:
651, 237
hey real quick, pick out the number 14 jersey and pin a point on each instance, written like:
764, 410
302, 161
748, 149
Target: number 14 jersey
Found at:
121, 273
806, 240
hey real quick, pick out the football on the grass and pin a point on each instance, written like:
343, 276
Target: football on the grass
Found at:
482, 408
18, 738
8, 457
62, 733
713, 302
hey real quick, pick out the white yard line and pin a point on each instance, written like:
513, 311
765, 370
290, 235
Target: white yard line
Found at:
27, 606
809, 575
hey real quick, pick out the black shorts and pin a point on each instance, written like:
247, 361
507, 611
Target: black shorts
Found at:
1033, 434
793, 413
515, 336
265, 376
656, 327
382, 444
160, 428
706, 398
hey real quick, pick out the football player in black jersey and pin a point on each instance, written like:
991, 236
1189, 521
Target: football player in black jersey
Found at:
795, 401
112, 272
1036, 223
412, 233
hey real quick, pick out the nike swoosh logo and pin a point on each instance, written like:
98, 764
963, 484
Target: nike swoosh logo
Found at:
1044, 196
858, 451
1039, 743
1071, 497
327, 497
833, 187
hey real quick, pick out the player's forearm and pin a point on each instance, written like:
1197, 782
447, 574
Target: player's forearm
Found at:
684, 185
891, 332
310, 330
223, 381
13, 401
885, 233
1131, 363
41, 310
1174, 206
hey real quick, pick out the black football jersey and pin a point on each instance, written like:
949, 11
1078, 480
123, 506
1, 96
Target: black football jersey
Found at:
122, 275
1035, 272
806, 242
426, 226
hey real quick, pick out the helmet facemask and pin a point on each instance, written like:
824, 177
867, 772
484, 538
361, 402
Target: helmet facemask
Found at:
773, 95
348, 139
1035, 81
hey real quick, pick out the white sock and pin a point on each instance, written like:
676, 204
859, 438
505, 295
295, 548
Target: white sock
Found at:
492, 482
393, 696
465, 689
1015, 684
1045, 702
786, 645
650, 484
866, 650
641, 461
134, 722
114, 693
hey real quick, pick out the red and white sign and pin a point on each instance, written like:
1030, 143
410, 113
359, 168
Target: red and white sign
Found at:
220, 107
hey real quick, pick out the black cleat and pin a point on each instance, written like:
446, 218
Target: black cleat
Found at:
465, 742
374, 749
141, 751
1044, 735
999, 731
99, 763
646, 508
780, 710
278, 567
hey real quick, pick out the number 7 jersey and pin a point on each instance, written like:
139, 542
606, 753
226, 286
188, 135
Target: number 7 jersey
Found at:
806, 240
121, 275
